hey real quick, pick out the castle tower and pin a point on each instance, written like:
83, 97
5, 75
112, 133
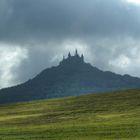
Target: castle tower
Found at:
69, 55
82, 57
76, 53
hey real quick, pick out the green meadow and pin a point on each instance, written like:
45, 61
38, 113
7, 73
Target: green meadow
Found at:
107, 116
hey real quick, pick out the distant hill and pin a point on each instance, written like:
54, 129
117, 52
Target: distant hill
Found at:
109, 116
71, 77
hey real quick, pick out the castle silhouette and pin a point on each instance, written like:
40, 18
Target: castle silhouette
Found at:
76, 58
72, 77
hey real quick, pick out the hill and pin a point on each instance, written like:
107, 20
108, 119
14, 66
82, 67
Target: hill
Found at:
106, 116
71, 77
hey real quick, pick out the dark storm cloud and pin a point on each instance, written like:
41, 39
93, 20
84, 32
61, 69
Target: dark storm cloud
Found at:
106, 31
48, 19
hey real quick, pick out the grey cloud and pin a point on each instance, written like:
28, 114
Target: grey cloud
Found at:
44, 20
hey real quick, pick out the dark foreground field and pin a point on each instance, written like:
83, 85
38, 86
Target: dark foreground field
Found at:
111, 116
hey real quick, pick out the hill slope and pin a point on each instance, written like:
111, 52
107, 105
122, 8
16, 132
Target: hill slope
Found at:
97, 116
71, 77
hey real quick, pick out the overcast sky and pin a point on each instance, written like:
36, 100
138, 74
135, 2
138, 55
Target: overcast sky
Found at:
35, 34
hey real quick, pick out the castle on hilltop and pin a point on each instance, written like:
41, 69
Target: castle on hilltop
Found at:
76, 58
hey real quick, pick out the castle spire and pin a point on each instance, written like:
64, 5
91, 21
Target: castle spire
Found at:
82, 57
76, 52
69, 55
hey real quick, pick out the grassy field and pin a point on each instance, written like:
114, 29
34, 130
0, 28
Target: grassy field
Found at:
109, 116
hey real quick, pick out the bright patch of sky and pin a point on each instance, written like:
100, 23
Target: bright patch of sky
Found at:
11, 58
137, 2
